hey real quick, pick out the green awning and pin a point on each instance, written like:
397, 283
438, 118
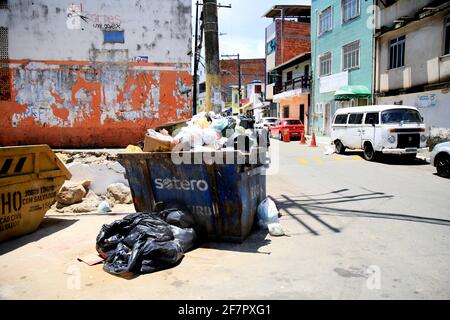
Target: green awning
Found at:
352, 92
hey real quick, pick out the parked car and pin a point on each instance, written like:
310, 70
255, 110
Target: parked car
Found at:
382, 129
295, 127
440, 158
266, 122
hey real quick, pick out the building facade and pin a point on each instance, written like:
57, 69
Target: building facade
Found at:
92, 74
413, 59
251, 70
287, 38
342, 58
293, 93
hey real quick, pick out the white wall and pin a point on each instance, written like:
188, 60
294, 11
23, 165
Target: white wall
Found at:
297, 70
38, 30
433, 105
423, 55
401, 8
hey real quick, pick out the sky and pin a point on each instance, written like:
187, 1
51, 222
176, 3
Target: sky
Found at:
244, 26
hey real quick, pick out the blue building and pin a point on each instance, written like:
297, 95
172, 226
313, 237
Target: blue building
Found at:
342, 46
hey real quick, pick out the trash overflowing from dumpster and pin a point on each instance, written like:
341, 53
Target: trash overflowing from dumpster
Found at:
203, 132
147, 242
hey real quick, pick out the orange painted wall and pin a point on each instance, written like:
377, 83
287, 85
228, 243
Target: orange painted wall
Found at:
294, 107
80, 104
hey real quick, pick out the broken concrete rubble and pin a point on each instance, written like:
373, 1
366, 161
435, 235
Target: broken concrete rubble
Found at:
119, 193
72, 192
99, 167
88, 204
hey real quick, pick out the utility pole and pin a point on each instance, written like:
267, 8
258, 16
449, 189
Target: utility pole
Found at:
239, 73
195, 75
213, 86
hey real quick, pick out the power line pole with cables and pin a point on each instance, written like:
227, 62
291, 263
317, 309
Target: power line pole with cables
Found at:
213, 85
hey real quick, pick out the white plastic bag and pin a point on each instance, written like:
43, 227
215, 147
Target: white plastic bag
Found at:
192, 135
104, 207
209, 136
267, 213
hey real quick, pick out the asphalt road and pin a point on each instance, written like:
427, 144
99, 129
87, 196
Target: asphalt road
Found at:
355, 230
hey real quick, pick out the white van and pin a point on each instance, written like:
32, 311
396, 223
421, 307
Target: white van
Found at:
379, 129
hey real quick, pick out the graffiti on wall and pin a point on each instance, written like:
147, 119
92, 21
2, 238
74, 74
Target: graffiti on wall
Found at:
104, 22
57, 97
75, 18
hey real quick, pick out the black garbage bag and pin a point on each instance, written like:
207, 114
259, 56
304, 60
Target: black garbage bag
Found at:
144, 242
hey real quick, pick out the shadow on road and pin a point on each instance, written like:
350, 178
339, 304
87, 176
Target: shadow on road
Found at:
253, 244
318, 207
47, 227
390, 159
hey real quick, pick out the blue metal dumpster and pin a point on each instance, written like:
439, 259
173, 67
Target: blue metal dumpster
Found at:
223, 197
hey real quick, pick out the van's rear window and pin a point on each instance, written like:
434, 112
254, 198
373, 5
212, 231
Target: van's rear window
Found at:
401, 116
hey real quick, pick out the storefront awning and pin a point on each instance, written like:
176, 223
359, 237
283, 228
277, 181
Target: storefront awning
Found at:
352, 92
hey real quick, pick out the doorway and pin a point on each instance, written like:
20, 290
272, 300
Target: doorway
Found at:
285, 112
302, 113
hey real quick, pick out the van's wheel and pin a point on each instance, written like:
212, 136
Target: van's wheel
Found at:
340, 149
443, 165
369, 153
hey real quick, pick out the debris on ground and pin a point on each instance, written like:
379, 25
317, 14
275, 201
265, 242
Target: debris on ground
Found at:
72, 192
119, 193
91, 259
146, 242
102, 170
89, 203
267, 214
104, 207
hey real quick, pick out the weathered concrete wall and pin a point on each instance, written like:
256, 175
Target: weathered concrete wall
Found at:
69, 88
433, 105
425, 62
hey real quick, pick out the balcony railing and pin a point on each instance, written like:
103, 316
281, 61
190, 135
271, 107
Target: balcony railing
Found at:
303, 82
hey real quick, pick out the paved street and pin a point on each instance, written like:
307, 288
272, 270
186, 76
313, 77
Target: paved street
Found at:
356, 230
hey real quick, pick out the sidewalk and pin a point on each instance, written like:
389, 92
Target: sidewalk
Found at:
319, 139
424, 155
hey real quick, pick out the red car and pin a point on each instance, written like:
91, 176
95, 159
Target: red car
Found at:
295, 127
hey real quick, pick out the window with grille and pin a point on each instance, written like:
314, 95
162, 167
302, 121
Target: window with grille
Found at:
325, 64
325, 21
3, 4
350, 9
397, 53
350, 56
5, 82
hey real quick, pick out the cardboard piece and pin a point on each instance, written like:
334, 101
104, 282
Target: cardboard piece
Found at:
91, 259
152, 144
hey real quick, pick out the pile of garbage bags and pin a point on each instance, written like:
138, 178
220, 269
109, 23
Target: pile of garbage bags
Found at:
147, 242
206, 132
